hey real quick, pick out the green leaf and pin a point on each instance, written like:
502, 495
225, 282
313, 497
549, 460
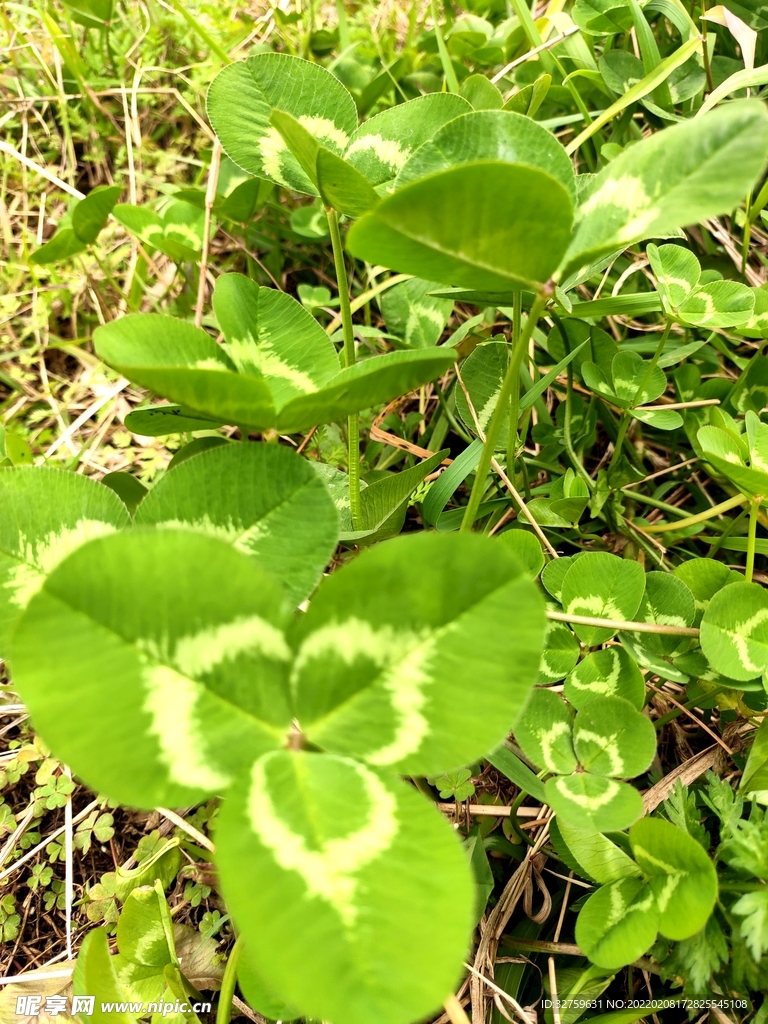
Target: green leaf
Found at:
496, 243
380, 147
734, 631
491, 136
159, 862
368, 383
179, 361
729, 454
95, 976
607, 673
381, 500
605, 587
14, 449
258, 992
601, 859
47, 513
186, 365
593, 800
719, 304
195, 447
481, 869
174, 643
667, 601
680, 176
178, 233
300, 141
145, 944
677, 273
516, 771
554, 573
526, 548
413, 314
602, 17
660, 419
64, 244
753, 908
271, 335
545, 732
482, 374
750, 392
347, 871
128, 488
481, 93
611, 738
618, 923
342, 186
680, 873
90, 215
561, 651
393, 645
263, 499
240, 103
159, 420
627, 372
755, 777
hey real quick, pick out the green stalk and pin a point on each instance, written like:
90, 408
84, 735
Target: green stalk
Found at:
228, 982
511, 382
514, 398
567, 435
638, 399
445, 58
700, 517
732, 524
754, 506
353, 427
201, 31
344, 40
548, 60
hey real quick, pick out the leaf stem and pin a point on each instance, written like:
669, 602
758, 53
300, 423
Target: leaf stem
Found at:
510, 382
700, 517
638, 399
632, 627
514, 398
567, 434
228, 982
353, 427
754, 507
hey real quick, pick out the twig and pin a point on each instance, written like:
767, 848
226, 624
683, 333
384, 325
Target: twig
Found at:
493, 810
532, 53
191, 831
690, 714
84, 416
42, 171
500, 992
687, 772
49, 839
68, 867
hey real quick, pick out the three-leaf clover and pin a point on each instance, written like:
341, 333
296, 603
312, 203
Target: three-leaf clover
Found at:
587, 753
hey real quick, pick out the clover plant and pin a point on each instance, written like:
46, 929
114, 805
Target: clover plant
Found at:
208, 639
